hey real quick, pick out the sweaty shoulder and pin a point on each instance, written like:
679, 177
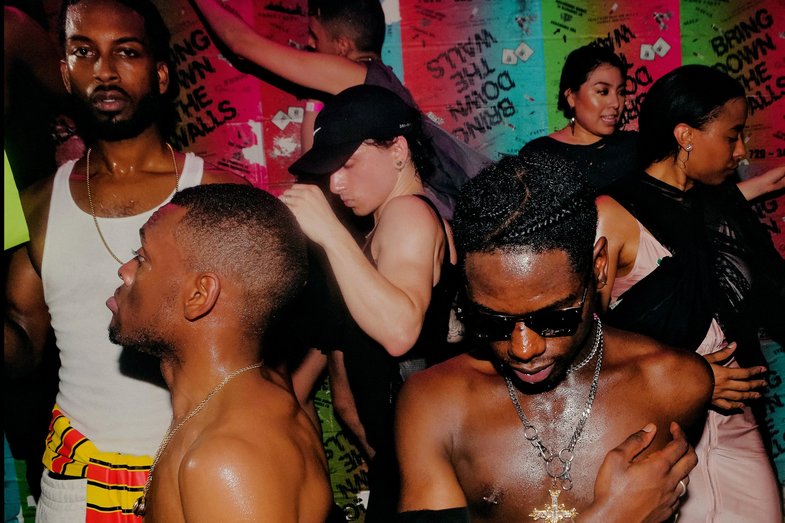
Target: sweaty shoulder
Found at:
673, 376
228, 477
223, 476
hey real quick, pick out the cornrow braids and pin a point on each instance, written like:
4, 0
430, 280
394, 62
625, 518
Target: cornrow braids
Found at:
534, 202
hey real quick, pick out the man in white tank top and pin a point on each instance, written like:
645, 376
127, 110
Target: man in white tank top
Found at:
112, 407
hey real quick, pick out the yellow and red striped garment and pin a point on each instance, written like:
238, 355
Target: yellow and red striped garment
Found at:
114, 481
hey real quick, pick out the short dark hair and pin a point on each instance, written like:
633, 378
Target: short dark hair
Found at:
360, 20
248, 235
535, 202
690, 94
577, 68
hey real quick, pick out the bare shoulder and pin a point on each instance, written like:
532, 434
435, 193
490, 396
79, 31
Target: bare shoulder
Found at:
214, 174
445, 389
408, 215
612, 214
409, 208
251, 475
671, 373
223, 474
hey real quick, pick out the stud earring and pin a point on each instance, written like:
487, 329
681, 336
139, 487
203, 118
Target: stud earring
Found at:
399, 165
688, 147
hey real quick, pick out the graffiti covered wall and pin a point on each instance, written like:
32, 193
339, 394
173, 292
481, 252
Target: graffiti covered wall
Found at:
486, 70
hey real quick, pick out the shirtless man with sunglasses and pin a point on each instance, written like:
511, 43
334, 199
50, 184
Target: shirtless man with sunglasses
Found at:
552, 416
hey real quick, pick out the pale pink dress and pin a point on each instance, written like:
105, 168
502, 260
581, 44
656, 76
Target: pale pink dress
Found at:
734, 481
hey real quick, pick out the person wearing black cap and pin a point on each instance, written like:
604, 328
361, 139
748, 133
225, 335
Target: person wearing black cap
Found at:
346, 38
397, 287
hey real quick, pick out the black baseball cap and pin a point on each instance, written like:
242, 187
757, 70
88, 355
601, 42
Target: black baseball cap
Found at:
352, 116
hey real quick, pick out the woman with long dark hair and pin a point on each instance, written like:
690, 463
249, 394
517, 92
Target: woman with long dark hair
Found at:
689, 265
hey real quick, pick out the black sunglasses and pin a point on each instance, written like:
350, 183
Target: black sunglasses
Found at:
497, 327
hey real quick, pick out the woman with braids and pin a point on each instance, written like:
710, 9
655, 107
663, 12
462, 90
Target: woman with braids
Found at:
397, 288
689, 265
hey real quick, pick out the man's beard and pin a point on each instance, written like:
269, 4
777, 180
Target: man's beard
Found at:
144, 341
106, 127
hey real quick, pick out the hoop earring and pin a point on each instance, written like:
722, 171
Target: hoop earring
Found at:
687, 148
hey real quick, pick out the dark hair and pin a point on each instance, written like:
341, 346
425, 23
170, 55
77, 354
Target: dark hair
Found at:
535, 202
420, 147
690, 94
157, 39
360, 20
577, 68
248, 235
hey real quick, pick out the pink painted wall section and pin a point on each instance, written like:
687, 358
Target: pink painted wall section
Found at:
233, 119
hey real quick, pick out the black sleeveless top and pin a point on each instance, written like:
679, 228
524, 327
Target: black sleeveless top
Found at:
374, 375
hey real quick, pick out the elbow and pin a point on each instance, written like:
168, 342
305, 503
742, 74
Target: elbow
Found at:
401, 340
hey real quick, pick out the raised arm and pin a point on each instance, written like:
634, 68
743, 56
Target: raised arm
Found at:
388, 301
324, 72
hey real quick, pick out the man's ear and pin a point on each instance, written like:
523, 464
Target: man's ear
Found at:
163, 77
344, 45
202, 296
64, 75
601, 261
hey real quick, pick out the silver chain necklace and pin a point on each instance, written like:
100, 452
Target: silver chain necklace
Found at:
565, 456
597, 339
140, 506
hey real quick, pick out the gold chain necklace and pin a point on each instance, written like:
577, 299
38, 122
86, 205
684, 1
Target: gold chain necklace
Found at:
92, 206
140, 505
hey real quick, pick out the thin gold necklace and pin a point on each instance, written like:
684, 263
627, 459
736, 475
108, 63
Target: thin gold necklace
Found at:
92, 205
140, 506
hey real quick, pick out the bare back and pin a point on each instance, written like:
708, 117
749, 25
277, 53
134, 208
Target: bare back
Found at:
464, 445
251, 455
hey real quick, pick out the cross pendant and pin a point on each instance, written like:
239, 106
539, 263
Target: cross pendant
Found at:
555, 513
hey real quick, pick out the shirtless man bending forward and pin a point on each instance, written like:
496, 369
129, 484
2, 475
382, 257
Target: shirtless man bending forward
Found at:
545, 369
